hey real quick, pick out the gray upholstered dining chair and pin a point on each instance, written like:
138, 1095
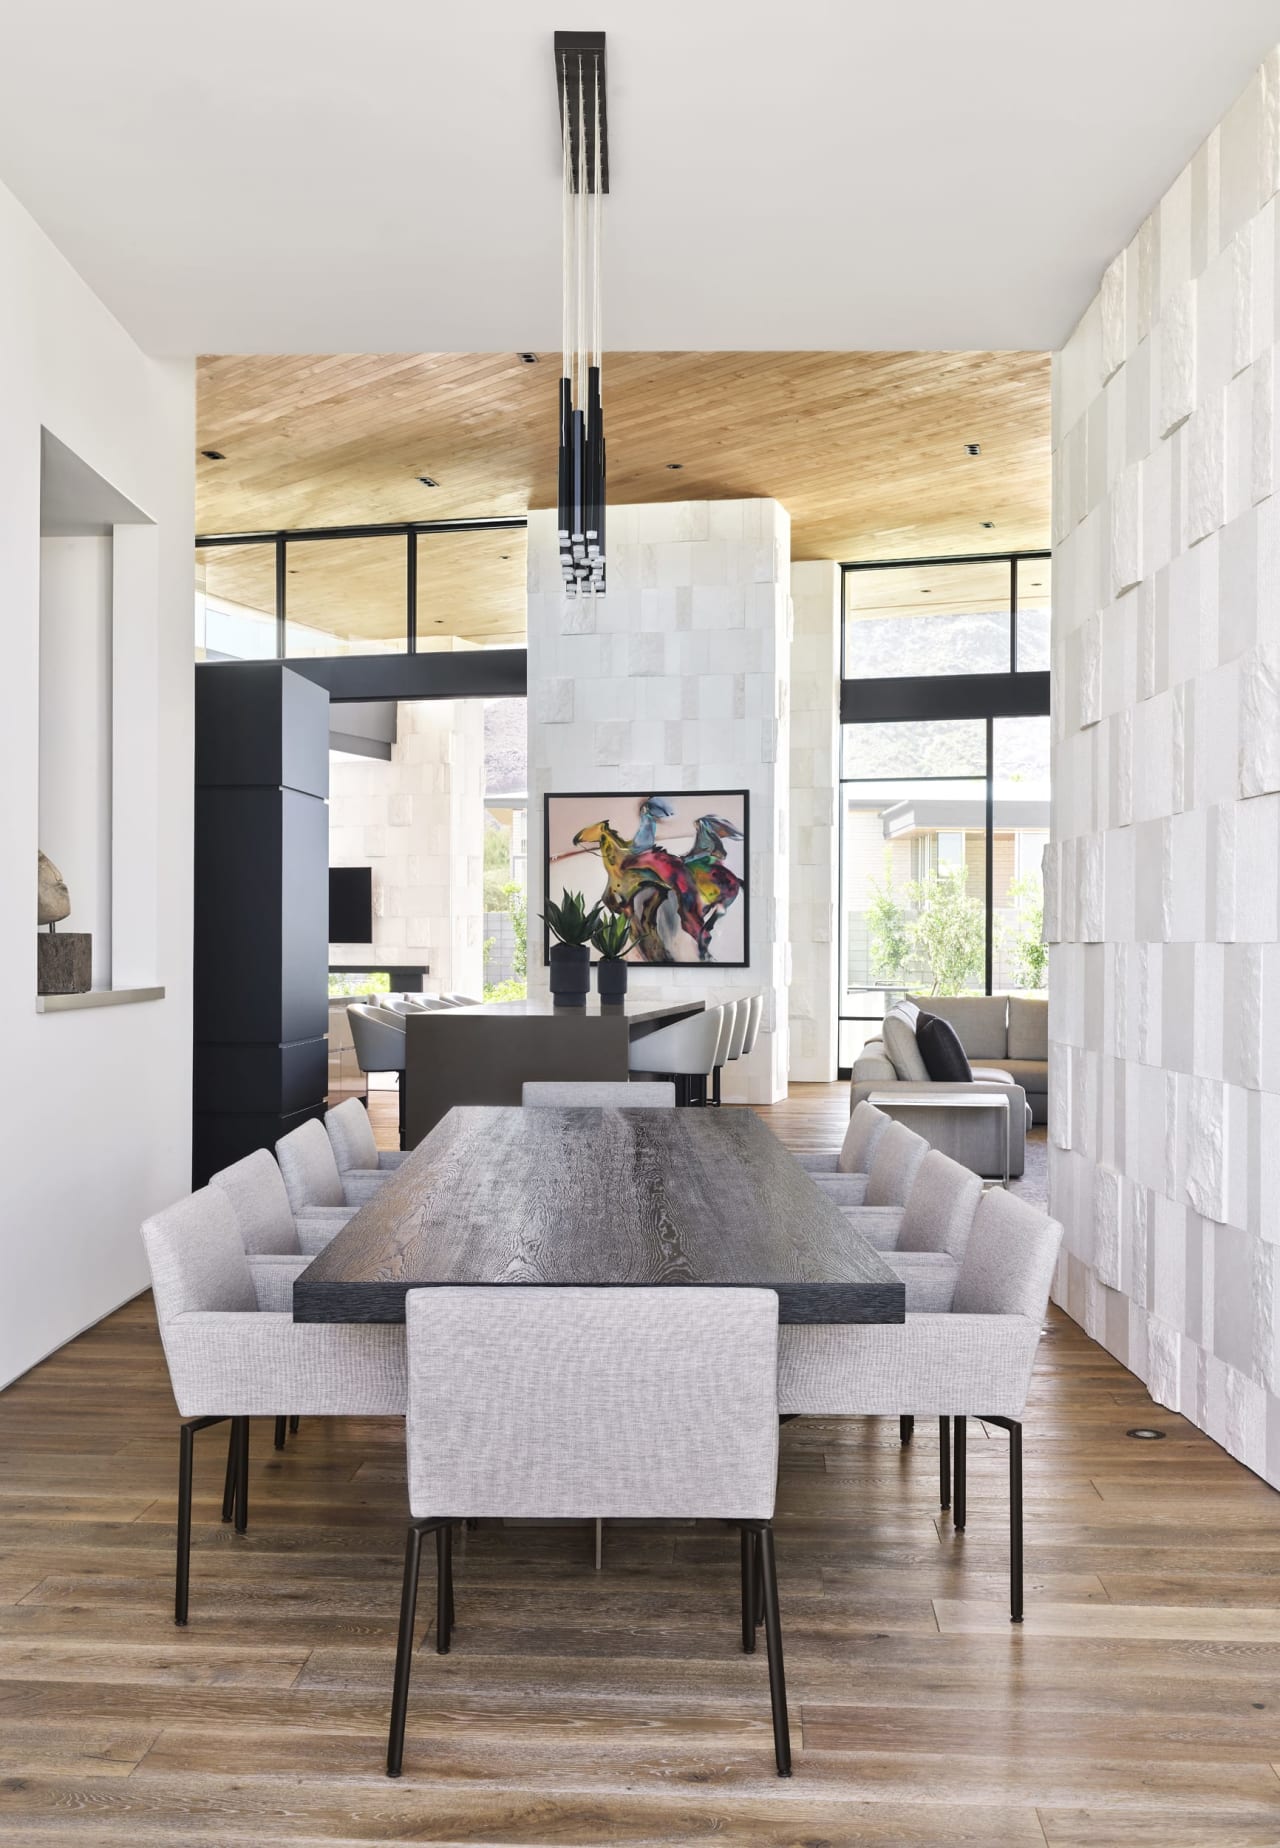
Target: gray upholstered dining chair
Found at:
235, 1352
550, 1094
656, 1404
310, 1172
686, 1050
728, 1022
976, 1359
866, 1126
266, 1221
355, 1150
924, 1241
890, 1176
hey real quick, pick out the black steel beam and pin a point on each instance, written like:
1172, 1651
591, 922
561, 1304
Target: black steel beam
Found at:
944, 696
479, 673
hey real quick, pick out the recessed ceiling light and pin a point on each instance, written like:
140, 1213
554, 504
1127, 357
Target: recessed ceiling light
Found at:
428, 481
675, 464
973, 449
213, 455
527, 359
989, 524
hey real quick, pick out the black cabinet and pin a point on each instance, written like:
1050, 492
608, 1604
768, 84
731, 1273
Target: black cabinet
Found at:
261, 908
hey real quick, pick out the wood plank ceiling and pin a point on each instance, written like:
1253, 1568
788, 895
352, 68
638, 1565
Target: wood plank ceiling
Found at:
867, 451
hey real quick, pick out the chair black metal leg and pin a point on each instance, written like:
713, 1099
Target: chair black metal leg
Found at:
759, 1610
186, 1461
242, 1475
906, 1428
748, 1591
960, 1429
444, 1587
182, 1577
280, 1430
944, 1462
715, 1088
1015, 1521
229, 1481
293, 1426
773, 1640
404, 1649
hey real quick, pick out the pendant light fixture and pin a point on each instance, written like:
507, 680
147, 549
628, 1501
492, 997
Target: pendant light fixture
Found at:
580, 77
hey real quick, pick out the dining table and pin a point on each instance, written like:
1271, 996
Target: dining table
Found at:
608, 1198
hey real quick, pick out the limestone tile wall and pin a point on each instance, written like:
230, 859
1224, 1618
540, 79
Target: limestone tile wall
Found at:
815, 790
1164, 870
677, 679
418, 821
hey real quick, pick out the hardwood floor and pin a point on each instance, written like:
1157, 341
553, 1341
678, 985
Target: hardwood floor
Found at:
1138, 1704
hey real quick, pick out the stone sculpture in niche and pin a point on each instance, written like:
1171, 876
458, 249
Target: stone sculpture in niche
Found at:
64, 963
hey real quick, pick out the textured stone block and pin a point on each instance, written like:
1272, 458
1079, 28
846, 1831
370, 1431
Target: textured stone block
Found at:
1164, 1363
1205, 218
1177, 345
1090, 868
1114, 319
1206, 1147
1125, 530
1206, 469
1239, 176
1106, 1223
1260, 722
1255, 863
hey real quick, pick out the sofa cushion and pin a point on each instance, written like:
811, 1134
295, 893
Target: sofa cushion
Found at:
900, 1044
1031, 1074
1028, 1028
978, 1019
942, 1052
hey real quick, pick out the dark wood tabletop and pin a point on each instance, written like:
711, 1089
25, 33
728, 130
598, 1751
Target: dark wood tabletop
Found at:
600, 1197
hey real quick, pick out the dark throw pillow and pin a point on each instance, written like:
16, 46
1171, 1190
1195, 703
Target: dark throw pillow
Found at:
940, 1048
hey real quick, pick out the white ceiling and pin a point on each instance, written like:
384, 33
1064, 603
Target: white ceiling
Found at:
318, 176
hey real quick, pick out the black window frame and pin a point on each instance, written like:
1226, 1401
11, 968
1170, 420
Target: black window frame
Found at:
906, 698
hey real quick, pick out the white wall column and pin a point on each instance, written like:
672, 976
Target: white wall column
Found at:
815, 794
677, 679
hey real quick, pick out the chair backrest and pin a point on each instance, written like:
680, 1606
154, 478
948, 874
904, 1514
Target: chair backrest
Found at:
866, 1126
256, 1191
351, 1136
197, 1261
741, 1020
1010, 1259
756, 1005
899, 1153
939, 1212
548, 1094
728, 1013
310, 1172
687, 1047
378, 1037
403, 1004
572, 1403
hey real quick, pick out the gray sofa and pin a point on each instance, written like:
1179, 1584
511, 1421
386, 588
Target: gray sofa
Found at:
1006, 1036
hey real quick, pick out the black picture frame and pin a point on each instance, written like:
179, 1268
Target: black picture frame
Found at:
607, 796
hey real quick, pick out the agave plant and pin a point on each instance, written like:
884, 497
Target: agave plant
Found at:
570, 920
612, 937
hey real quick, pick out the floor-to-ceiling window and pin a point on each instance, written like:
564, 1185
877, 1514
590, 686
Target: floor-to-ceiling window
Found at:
944, 782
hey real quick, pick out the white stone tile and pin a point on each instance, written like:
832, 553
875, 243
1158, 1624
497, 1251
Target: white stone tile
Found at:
1206, 1130
1255, 864
1239, 175
1114, 321
1206, 469
1126, 531
1260, 722
1206, 238
1177, 349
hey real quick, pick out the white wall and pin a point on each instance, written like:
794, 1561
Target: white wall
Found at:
418, 821
1161, 901
815, 792
677, 679
95, 1129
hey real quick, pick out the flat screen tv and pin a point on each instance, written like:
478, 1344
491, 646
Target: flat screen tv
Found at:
350, 904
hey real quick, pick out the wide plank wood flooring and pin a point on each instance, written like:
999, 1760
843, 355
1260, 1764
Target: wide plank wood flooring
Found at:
1139, 1703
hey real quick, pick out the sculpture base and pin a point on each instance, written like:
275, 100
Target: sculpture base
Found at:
64, 962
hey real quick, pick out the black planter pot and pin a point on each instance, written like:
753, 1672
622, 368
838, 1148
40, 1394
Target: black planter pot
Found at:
611, 978
570, 974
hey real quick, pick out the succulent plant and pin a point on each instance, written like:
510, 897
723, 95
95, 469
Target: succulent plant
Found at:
570, 920
612, 936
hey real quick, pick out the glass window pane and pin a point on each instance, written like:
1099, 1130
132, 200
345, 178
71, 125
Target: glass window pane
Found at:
927, 619
933, 747
1035, 580
913, 891
346, 596
235, 602
471, 588
1021, 795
